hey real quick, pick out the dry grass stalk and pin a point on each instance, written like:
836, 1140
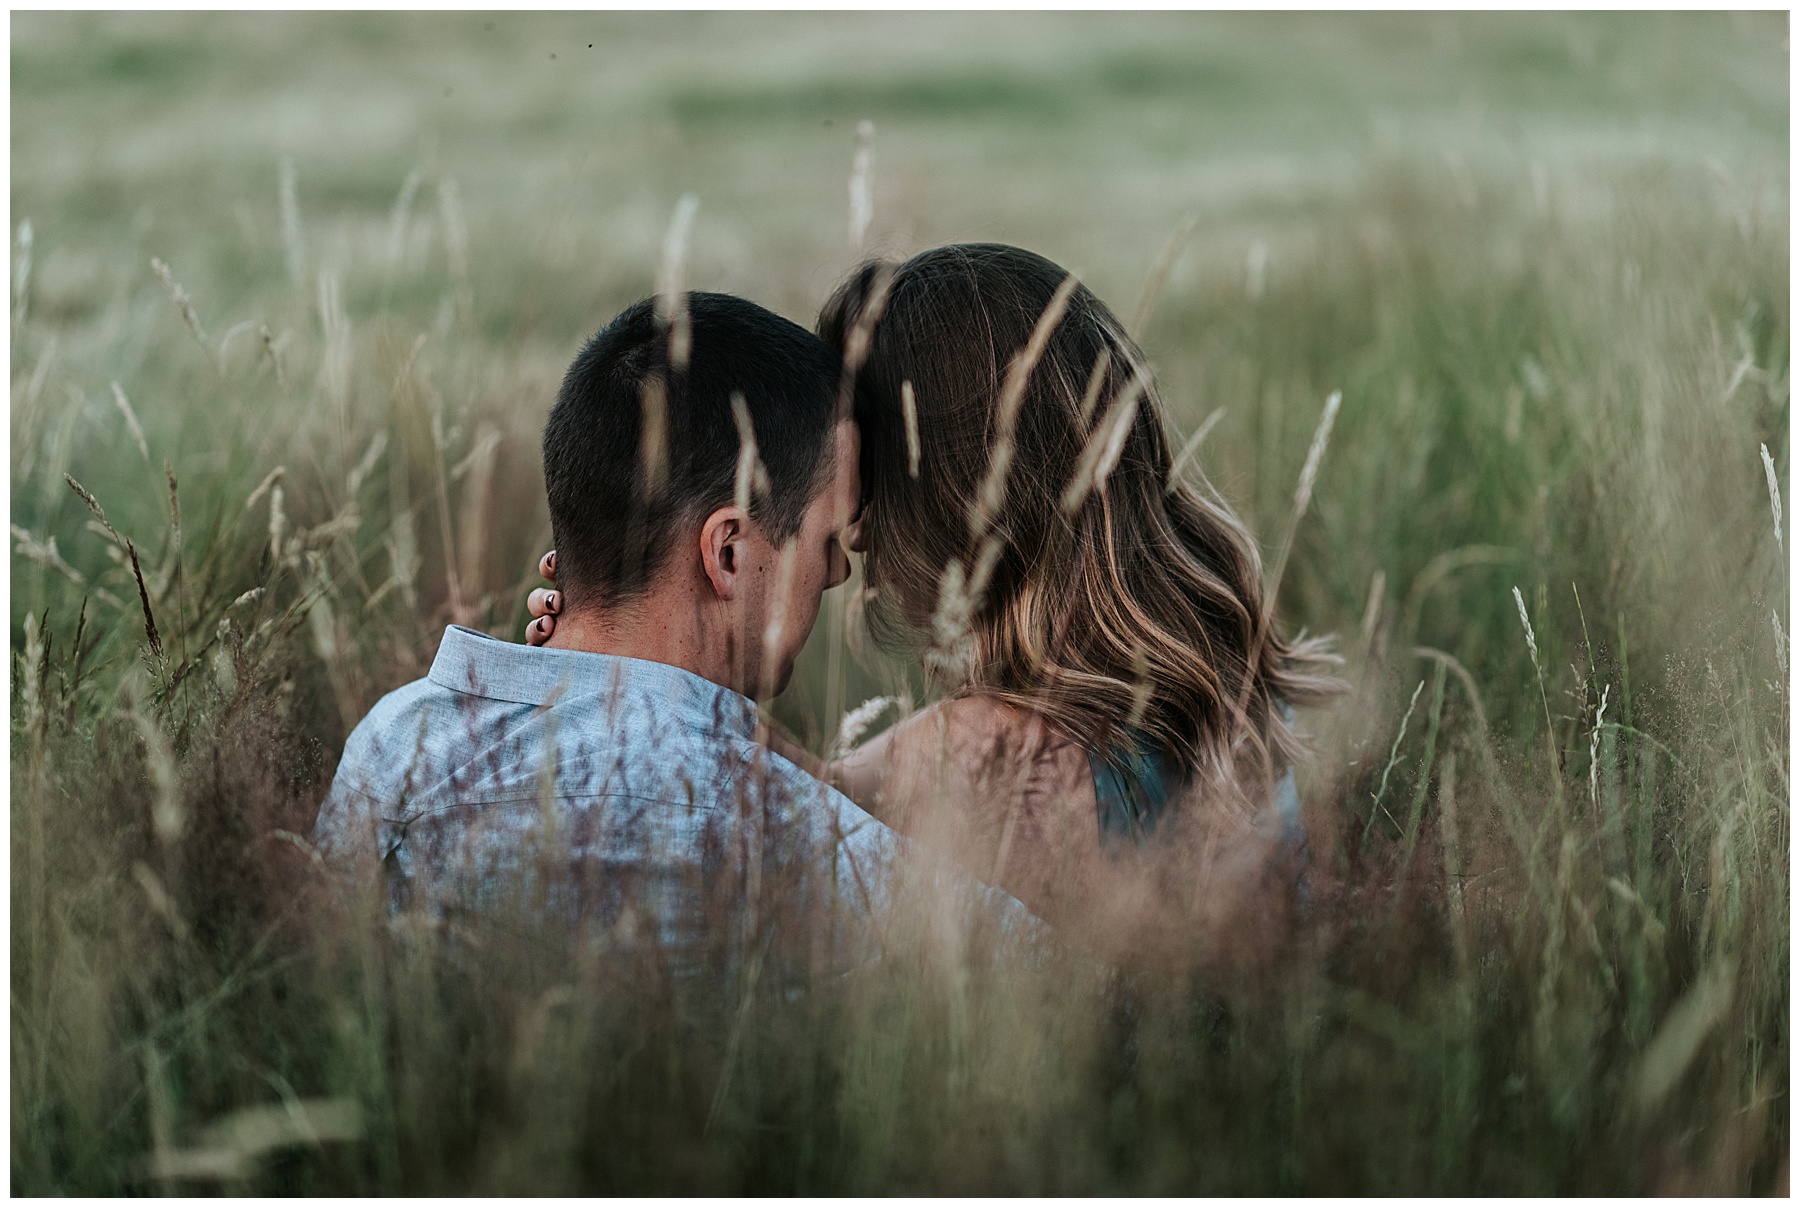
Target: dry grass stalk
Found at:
653, 444
959, 599
1594, 748
1393, 758
291, 241
857, 722
263, 488
1453, 861
1774, 492
1105, 444
951, 626
862, 185
1365, 633
174, 569
1530, 637
1315, 454
343, 524
179, 297
174, 510
477, 508
441, 443
223, 348
986, 559
25, 404
277, 524
99, 512
230, 1149
456, 231
1140, 687
1780, 645
131, 421
776, 628
1440, 568
274, 355
1678, 1040
1012, 397
361, 471
909, 415
1256, 269
401, 216
21, 277
156, 650
992, 492
403, 557
46, 554
1309, 472
671, 286
334, 367
856, 342
156, 894
1159, 272
1090, 398
1191, 448
1117, 431
752, 475
1543, 696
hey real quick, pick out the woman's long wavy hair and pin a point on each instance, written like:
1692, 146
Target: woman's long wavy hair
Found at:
1023, 526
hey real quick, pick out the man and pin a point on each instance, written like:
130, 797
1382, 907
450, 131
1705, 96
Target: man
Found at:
700, 478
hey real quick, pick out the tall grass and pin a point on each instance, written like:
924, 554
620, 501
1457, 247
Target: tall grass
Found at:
1546, 947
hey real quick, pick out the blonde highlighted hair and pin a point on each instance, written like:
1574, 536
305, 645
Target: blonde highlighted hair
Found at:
1022, 525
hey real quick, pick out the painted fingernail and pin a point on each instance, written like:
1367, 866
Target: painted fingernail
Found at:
550, 561
554, 601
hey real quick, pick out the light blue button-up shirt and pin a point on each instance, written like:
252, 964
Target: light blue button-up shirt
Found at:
641, 783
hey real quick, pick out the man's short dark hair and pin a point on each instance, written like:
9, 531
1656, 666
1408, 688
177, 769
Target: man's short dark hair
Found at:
615, 524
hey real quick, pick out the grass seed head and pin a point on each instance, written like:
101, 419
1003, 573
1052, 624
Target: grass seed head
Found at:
909, 415
671, 288
857, 722
1774, 491
1525, 620
179, 297
1315, 454
131, 421
1191, 448
862, 185
752, 476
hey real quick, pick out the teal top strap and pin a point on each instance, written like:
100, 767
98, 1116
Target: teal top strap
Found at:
1133, 786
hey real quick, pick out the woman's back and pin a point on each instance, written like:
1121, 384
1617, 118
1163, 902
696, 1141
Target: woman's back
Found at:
1128, 859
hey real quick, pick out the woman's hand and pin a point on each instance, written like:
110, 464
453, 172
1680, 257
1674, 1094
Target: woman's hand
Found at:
544, 604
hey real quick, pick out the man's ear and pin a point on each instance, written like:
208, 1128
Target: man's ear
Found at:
723, 547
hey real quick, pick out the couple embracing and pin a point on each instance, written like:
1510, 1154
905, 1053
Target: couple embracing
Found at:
1113, 746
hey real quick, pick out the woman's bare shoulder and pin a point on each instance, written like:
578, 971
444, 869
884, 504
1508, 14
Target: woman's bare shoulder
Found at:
984, 733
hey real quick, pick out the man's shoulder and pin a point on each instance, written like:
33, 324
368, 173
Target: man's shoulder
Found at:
403, 717
761, 775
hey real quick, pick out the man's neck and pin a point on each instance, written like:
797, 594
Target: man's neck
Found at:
658, 627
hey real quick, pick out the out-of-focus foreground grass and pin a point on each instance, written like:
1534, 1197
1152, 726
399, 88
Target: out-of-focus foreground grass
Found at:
1544, 258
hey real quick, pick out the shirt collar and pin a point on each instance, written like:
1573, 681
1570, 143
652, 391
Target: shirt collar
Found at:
475, 664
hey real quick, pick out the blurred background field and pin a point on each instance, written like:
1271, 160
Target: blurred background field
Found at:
1543, 256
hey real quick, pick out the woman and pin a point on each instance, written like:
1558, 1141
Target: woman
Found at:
1114, 739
